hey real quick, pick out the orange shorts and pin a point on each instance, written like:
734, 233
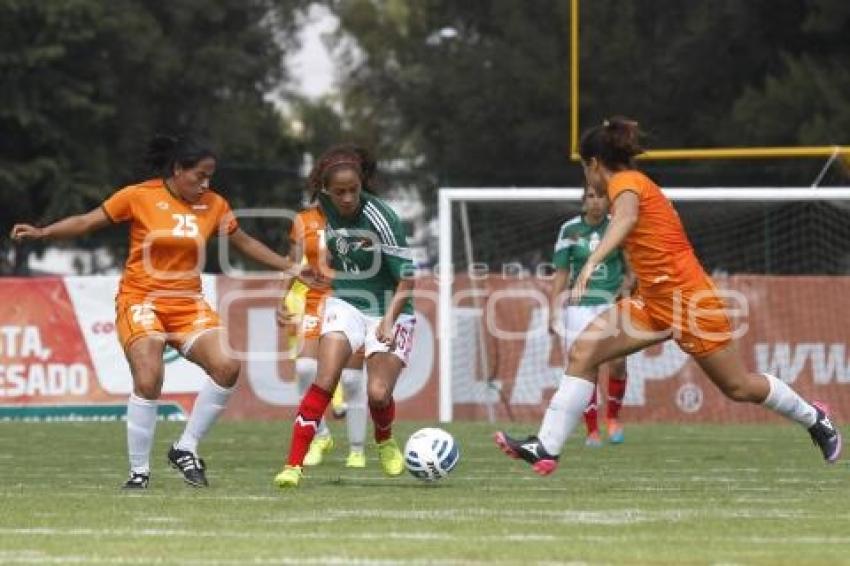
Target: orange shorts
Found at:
179, 320
696, 316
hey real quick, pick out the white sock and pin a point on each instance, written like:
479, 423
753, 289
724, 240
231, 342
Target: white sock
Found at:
208, 406
788, 403
354, 386
564, 412
305, 374
141, 423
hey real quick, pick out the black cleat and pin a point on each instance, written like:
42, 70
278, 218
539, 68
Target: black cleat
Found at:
529, 449
189, 465
137, 480
825, 435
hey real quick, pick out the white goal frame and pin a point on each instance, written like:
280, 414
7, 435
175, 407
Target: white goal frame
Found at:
449, 196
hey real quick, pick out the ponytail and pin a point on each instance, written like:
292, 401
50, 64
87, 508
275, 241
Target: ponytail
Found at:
615, 143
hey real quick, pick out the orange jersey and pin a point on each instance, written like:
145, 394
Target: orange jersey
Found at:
308, 231
168, 237
657, 248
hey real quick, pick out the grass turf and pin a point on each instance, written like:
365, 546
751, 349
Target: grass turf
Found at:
669, 495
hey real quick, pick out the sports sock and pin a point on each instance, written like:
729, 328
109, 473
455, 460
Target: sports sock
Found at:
591, 420
354, 385
141, 423
306, 423
564, 411
788, 403
209, 404
383, 418
616, 392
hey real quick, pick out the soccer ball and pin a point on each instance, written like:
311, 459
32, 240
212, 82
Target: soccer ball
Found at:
430, 454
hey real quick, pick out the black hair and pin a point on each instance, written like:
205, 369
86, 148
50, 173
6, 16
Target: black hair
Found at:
615, 143
164, 152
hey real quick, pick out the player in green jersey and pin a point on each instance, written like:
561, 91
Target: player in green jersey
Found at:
370, 303
577, 239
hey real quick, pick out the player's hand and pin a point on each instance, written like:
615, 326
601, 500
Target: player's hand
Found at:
21, 232
386, 332
313, 278
556, 326
284, 316
580, 284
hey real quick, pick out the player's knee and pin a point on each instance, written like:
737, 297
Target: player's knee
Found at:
149, 390
379, 394
580, 360
225, 372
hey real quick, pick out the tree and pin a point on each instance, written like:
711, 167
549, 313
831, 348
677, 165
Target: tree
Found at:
86, 83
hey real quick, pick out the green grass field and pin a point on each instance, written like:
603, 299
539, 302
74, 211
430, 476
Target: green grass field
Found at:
670, 495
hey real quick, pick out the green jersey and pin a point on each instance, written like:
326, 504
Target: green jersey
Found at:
576, 241
369, 254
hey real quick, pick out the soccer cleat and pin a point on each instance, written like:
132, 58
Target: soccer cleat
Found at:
288, 477
392, 461
356, 459
529, 449
615, 432
189, 465
825, 435
338, 405
593, 440
137, 480
320, 446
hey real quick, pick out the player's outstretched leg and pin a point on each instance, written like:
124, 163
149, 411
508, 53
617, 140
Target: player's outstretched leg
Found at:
529, 449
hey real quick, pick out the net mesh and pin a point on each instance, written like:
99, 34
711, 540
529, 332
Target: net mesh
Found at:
789, 255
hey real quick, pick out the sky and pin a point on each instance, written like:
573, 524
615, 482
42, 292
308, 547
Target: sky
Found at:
311, 68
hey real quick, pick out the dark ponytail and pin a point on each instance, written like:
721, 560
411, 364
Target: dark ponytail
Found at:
164, 152
615, 143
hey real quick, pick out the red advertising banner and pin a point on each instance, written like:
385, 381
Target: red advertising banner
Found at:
58, 352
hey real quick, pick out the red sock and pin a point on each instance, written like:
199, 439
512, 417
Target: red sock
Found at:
383, 418
310, 413
616, 391
590, 415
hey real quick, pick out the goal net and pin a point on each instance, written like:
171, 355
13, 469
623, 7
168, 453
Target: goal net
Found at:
781, 253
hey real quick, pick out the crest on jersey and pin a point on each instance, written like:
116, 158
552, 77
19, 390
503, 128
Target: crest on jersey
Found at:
342, 246
162, 205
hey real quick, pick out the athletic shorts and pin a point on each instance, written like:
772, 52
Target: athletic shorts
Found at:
361, 329
178, 320
696, 316
576, 318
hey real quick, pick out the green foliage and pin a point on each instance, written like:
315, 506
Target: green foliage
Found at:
480, 90
86, 83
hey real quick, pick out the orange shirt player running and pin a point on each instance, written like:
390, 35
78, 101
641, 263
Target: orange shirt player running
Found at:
160, 291
308, 231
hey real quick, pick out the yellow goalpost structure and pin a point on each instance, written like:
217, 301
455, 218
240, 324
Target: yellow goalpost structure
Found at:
679, 153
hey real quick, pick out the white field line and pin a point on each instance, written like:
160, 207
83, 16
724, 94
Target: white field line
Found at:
39, 557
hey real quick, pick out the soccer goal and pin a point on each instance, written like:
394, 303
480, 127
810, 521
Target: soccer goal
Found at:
782, 253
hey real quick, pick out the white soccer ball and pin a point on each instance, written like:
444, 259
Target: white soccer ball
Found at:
430, 454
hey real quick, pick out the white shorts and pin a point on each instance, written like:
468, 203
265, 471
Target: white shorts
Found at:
361, 329
576, 319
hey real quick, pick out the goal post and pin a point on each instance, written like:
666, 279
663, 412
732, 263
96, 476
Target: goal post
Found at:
711, 215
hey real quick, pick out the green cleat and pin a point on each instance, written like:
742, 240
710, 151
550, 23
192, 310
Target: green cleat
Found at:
356, 459
320, 446
391, 459
288, 477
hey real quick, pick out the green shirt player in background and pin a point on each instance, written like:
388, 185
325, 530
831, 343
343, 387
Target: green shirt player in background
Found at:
577, 239
370, 303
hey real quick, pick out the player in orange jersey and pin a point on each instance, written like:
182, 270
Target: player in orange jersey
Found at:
675, 299
159, 300
300, 311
